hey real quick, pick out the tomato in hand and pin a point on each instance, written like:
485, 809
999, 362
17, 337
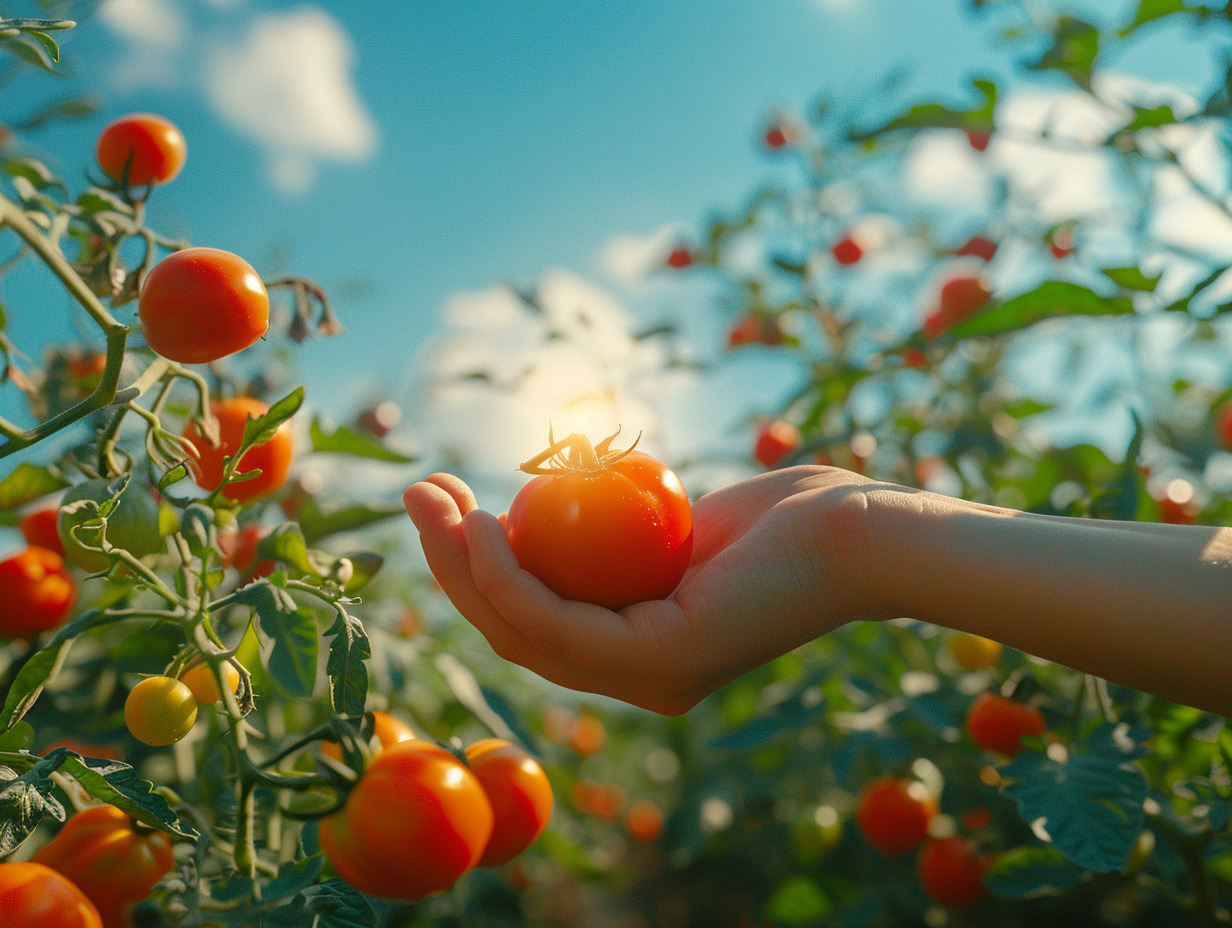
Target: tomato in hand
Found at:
998, 724
35, 896
951, 872
600, 526
520, 794
386, 730
202, 304
133, 525
36, 592
200, 680
160, 711
415, 822
114, 862
891, 816
273, 458
142, 148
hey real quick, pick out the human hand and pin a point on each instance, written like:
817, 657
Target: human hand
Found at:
778, 559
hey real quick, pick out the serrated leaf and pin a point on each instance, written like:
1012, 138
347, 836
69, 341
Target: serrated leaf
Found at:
1023, 873
261, 429
339, 905
1049, 300
293, 659
117, 783
23, 803
343, 440
28, 482
1132, 278
346, 665
1090, 804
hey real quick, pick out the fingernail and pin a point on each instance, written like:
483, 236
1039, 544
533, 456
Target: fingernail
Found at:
412, 509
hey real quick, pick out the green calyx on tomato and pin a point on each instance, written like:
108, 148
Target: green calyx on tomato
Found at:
595, 525
131, 523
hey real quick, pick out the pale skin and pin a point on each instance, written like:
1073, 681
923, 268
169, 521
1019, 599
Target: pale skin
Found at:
1140, 604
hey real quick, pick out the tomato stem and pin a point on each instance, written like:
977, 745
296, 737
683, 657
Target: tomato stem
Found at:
583, 457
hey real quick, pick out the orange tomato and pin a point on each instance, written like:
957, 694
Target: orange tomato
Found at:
273, 458
113, 862
199, 679
160, 711
644, 821
36, 591
38, 527
35, 896
971, 652
998, 724
891, 816
145, 148
520, 794
386, 730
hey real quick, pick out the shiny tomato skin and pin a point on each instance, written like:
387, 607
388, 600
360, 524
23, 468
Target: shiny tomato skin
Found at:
199, 678
520, 794
35, 896
36, 592
201, 304
615, 537
415, 822
160, 711
38, 527
110, 861
273, 458
150, 147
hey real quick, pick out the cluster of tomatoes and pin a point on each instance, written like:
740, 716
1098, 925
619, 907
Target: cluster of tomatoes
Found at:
420, 816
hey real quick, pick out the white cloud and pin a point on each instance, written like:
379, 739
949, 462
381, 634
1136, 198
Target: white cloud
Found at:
154, 23
287, 84
630, 259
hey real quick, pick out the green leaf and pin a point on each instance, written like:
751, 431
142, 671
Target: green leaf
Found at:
798, 900
788, 716
1149, 118
261, 429
1124, 496
117, 783
1073, 51
28, 482
939, 116
31, 679
1089, 804
286, 543
1132, 278
293, 659
1049, 300
1182, 305
349, 649
317, 523
336, 904
24, 801
365, 565
32, 51
1022, 873
32, 170
343, 440
1149, 10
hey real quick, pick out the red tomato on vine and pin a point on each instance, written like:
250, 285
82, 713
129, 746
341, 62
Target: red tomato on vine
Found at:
35, 896
36, 592
951, 872
891, 816
607, 527
520, 794
273, 458
141, 148
114, 862
998, 724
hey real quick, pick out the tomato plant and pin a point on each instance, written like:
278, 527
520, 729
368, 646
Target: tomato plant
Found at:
998, 724
387, 730
952, 871
416, 821
141, 148
35, 896
201, 682
893, 815
606, 527
36, 590
160, 710
112, 861
272, 457
132, 523
520, 794
202, 304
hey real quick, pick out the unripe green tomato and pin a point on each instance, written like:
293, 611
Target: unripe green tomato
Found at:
816, 834
133, 525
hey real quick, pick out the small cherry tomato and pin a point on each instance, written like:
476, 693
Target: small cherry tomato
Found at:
679, 258
587, 734
142, 148
603, 527
239, 550
893, 814
202, 304
776, 440
160, 711
38, 527
273, 458
386, 730
415, 822
962, 296
998, 724
644, 821
979, 247
847, 251
972, 652
520, 794
133, 525
36, 592
951, 872
35, 896
199, 679
114, 862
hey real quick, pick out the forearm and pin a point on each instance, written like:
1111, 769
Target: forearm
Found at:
1145, 606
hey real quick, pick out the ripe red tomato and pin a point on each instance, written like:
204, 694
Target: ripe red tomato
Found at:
951, 872
961, 296
610, 528
114, 862
38, 527
892, 815
1061, 242
160, 711
273, 458
152, 149
202, 304
980, 247
520, 794
679, 257
239, 550
35, 896
644, 821
997, 724
847, 251
36, 591
386, 730
978, 140
415, 822
776, 440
